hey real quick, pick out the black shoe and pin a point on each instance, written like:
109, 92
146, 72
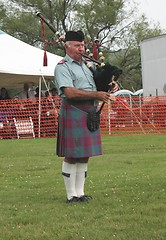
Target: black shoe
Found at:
85, 198
73, 199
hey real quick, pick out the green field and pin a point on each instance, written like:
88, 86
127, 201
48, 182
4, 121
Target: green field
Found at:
128, 185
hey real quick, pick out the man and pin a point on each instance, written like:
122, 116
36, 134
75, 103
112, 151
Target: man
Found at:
75, 142
4, 94
28, 92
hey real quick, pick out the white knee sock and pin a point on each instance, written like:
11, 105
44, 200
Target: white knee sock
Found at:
81, 171
69, 175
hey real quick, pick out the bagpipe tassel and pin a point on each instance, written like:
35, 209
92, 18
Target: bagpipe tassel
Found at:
45, 62
45, 59
96, 45
95, 51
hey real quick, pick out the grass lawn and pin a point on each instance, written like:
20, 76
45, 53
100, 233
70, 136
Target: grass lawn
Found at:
128, 185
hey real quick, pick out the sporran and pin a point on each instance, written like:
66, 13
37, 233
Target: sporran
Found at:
93, 121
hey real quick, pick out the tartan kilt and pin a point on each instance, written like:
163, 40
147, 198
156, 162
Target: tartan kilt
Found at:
74, 140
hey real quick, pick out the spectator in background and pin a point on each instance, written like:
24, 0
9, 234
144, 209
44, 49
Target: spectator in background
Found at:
4, 94
37, 92
54, 92
47, 93
28, 92
51, 93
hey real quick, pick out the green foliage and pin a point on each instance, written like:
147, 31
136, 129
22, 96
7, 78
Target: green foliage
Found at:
97, 22
127, 184
116, 26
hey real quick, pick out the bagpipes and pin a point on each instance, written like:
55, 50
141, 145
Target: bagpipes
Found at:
105, 75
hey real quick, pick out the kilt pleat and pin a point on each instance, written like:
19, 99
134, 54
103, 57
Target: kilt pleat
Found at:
74, 140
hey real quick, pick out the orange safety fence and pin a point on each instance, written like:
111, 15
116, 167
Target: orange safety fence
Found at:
134, 115
125, 116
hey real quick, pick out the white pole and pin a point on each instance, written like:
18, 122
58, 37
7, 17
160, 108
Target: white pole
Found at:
39, 117
109, 118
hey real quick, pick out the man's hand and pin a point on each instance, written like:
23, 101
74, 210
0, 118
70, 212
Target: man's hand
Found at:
112, 97
103, 96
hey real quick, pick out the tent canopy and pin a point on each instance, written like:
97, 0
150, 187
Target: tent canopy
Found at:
21, 62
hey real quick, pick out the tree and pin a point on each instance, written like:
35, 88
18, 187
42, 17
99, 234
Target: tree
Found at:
130, 57
23, 23
110, 21
2, 14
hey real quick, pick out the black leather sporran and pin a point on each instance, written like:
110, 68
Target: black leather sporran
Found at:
93, 121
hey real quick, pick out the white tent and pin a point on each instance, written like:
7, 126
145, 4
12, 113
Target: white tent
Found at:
21, 62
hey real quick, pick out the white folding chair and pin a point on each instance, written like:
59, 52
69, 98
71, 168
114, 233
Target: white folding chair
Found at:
24, 128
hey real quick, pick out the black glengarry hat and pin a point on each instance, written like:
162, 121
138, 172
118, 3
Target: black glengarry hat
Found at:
74, 36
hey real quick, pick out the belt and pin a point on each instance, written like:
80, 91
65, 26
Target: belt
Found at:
81, 102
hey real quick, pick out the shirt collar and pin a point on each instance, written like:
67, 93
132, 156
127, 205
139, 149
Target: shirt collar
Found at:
71, 60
